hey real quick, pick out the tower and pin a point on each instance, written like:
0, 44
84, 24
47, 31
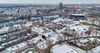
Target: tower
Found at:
60, 5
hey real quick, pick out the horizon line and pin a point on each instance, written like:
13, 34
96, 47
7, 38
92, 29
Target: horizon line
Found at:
48, 4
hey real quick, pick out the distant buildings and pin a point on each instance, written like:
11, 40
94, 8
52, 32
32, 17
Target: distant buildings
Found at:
78, 17
29, 24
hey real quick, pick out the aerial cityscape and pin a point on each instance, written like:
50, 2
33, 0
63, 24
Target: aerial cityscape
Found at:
50, 28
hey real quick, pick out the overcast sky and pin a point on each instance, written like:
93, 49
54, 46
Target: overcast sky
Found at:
52, 1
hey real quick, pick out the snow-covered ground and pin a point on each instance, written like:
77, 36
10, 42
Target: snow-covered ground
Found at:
55, 36
63, 49
95, 50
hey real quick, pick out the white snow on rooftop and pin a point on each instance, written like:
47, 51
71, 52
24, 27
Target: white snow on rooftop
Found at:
28, 24
78, 14
59, 19
80, 28
4, 29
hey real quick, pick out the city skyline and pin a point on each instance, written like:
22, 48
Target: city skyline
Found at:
50, 1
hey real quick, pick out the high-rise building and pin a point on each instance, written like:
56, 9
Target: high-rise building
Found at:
60, 5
